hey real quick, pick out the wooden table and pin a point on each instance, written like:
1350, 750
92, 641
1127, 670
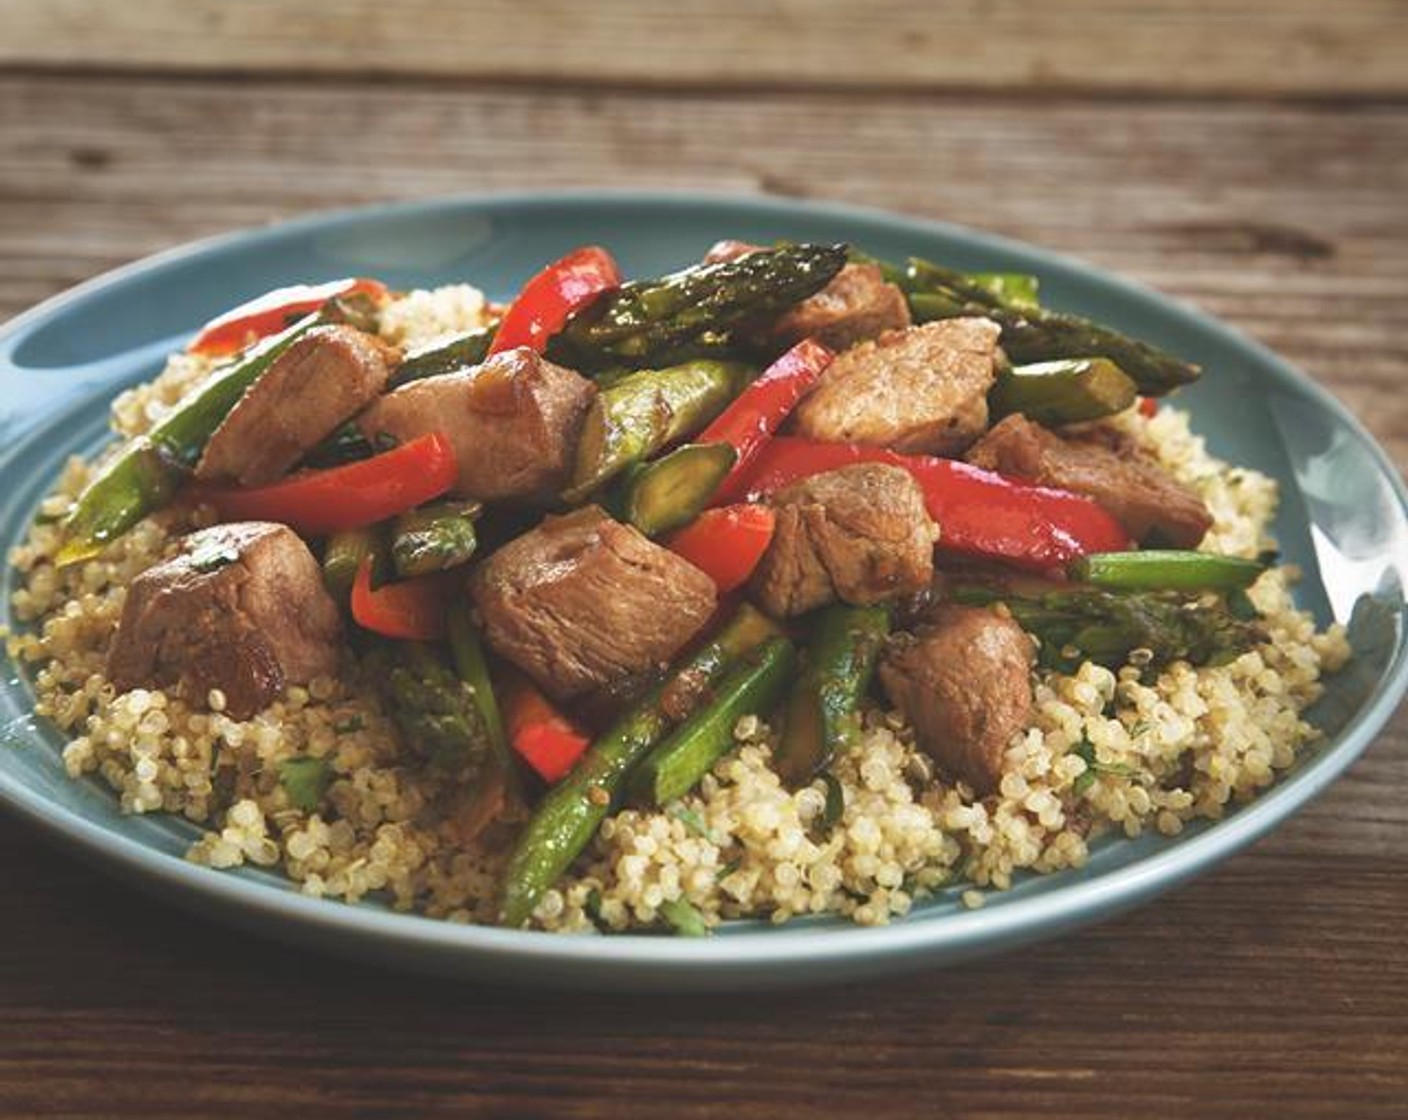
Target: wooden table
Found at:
1252, 159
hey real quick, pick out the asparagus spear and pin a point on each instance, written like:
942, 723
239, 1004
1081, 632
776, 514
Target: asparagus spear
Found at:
752, 686
1114, 628
343, 555
839, 661
646, 321
437, 712
1012, 289
467, 652
459, 353
434, 537
568, 817
1166, 570
1065, 392
1034, 334
671, 491
644, 412
146, 474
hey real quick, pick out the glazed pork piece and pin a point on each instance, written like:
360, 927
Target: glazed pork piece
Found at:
241, 608
918, 390
858, 304
583, 602
513, 421
1153, 507
325, 377
860, 534
963, 681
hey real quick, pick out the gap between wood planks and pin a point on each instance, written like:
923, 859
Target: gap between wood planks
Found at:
558, 84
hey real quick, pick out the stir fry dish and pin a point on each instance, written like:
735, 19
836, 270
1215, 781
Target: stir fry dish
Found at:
794, 582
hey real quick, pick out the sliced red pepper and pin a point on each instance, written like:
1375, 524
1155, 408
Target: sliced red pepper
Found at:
756, 413
1148, 407
726, 543
538, 733
347, 497
980, 513
550, 298
272, 312
411, 609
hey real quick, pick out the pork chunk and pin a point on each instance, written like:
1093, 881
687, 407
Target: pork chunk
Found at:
513, 421
1151, 505
918, 390
730, 250
858, 304
326, 376
860, 534
241, 608
583, 602
964, 683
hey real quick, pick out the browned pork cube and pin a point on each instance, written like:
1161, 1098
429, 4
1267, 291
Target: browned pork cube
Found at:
857, 305
730, 250
583, 602
327, 376
513, 421
918, 390
964, 683
241, 609
1145, 499
860, 534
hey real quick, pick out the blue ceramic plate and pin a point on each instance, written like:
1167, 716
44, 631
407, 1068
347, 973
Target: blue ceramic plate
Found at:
1342, 519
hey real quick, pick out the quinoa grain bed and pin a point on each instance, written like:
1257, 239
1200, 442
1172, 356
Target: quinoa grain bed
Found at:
1107, 751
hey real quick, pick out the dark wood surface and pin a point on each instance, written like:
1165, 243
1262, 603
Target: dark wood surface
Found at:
1277, 985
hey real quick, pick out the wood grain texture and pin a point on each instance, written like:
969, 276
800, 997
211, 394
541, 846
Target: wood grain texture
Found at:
1276, 985
1308, 47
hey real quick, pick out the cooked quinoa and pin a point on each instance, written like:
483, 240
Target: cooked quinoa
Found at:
1108, 751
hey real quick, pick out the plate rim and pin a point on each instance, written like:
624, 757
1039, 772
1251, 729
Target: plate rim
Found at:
941, 936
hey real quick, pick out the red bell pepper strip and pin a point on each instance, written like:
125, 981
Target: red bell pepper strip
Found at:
411, 609
550, 298
726, 543
272, 312
538, 733
758, 411
1148, 407
362, 493
980, 513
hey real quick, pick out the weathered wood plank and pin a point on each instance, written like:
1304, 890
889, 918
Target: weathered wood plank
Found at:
1349, 47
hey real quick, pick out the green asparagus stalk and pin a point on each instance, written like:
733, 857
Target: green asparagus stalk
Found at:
467, 652
1113, 628
1011, 289
146, 474
671, 491
752, 686
434, 537
1034, 334
640, 414
647, 321
568, 817
343, 555
1166, 570
1064, 392
460, 353
822, 716
436, 711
